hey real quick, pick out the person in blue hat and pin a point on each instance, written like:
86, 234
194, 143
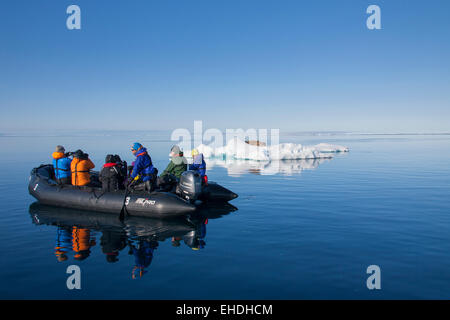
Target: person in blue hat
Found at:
144, 173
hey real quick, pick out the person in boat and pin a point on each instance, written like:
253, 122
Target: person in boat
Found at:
143, 256
61, 164
112, 242
112, 175
198, 164
196, 238
80, 168
82, 241
144, 173
176, 166
122, 166
63, 243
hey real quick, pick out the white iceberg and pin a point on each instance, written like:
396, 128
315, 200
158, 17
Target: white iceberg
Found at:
236, 149
240, 150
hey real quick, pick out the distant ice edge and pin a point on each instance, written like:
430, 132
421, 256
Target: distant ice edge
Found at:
238, 149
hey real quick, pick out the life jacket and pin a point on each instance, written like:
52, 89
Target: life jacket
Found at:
81, 242
199, 164
61, 164
63, 243
80, 171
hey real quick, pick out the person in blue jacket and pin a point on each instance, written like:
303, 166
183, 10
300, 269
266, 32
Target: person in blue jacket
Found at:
144, 173
143, 256
61, 164
198, 164
63, 243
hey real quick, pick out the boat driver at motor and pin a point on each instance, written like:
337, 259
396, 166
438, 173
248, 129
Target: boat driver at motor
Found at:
198, 164
144, 173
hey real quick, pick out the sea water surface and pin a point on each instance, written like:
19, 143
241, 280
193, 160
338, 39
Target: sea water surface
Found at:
307, 230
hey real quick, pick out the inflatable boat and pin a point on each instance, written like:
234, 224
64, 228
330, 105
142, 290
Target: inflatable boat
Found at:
156, 204
159, 229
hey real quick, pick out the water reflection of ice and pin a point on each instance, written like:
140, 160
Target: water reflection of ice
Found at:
282, 167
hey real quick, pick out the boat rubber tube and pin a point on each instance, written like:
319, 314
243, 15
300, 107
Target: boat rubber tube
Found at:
140, 204
215, 192
158, 229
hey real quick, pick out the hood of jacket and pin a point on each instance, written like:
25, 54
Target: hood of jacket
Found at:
109, 165
141, 152
58, 155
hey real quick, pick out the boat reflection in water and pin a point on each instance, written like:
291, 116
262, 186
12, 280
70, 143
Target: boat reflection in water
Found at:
76, 233
282, 167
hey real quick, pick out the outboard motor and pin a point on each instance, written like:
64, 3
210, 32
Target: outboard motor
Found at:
190, 185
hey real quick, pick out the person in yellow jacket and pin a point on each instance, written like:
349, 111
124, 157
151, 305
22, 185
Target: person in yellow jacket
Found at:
80, 168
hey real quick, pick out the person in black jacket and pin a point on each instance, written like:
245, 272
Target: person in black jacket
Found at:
111, 176
123, 174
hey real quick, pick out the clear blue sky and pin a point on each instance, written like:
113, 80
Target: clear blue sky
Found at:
294, 65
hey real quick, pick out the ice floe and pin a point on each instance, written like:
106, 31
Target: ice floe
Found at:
240, 150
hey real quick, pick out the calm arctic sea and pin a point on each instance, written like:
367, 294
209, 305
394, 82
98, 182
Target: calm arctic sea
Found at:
307, 232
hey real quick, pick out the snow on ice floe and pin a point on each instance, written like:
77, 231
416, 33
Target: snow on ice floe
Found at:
240, 150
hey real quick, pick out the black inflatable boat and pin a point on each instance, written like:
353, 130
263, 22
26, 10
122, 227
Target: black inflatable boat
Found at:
160, 229
77, 231
138, 203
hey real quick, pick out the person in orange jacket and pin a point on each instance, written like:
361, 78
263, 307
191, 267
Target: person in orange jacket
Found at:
82, 241
80, 167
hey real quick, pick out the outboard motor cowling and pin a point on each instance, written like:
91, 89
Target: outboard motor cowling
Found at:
190, 185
